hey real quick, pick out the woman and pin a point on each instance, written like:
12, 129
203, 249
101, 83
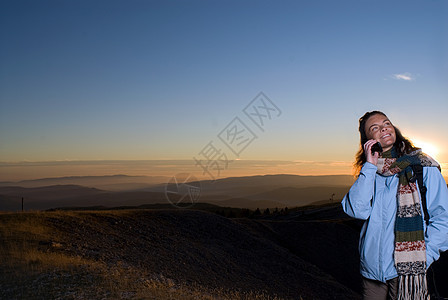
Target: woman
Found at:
396, 246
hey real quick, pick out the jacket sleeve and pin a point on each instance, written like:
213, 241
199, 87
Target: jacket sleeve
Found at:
357, 203
437, 202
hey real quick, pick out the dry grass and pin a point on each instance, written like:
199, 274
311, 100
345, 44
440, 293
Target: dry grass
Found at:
34, 265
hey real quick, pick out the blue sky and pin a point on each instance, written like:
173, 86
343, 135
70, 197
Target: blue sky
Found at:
149, 80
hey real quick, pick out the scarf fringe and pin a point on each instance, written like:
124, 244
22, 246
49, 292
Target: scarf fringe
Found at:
413, 287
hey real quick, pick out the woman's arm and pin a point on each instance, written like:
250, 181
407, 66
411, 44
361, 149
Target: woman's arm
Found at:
358, 201
437, 202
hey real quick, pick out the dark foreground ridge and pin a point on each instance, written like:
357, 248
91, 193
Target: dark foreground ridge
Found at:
289, 259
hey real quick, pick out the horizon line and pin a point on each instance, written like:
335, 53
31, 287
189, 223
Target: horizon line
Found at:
270, 174
162, 159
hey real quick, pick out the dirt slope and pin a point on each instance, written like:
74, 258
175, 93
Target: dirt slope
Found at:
189, 247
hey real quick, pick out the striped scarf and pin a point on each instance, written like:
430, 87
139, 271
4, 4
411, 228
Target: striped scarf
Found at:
410, 248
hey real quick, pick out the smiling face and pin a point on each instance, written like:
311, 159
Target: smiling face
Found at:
378, 127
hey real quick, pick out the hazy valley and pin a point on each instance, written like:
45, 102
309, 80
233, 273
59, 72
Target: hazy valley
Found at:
268, 191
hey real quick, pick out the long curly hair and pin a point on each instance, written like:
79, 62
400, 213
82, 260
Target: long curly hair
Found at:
402, 144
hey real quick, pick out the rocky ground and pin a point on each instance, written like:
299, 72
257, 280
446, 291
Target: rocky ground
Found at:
177, 253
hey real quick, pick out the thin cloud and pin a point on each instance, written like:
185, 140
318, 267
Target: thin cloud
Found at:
403, 76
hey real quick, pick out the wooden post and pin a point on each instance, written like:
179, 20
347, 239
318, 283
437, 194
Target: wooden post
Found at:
22, 204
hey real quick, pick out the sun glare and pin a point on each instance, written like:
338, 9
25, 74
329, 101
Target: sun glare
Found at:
427, 148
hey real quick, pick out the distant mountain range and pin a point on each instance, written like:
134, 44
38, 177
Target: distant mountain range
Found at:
110, 182
263, 191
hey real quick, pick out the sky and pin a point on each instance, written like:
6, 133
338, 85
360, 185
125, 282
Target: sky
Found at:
166, 82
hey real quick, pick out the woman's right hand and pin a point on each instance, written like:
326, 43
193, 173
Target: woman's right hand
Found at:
371, 158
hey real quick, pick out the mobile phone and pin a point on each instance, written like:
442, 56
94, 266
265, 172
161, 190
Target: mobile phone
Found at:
376, 148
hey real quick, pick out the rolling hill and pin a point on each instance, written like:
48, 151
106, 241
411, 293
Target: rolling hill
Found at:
42, 198
142, 253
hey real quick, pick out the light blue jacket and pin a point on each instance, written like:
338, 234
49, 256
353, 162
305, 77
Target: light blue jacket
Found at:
373, 198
